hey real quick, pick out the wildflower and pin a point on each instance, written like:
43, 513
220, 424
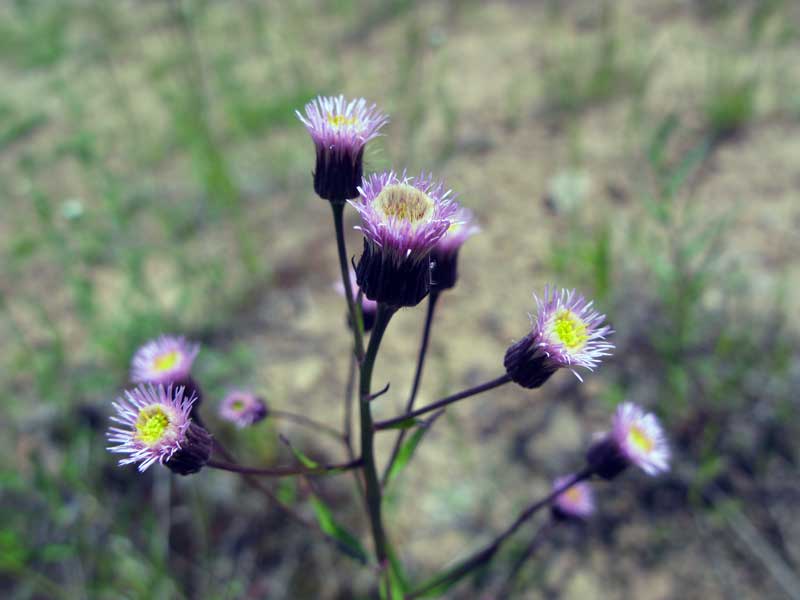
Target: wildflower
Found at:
167, 359
156, 427
402, 219
340, 130
577, 502
445, 252
636, 438
369, 308
566, 333
243, 408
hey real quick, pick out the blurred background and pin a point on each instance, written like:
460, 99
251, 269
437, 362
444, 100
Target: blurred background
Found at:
155, 179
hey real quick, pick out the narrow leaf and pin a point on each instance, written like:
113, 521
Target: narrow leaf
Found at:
405, 453
346, 540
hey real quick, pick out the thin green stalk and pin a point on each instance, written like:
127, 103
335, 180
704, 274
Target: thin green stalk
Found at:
423, 351
483, 556
355, 312
373, 485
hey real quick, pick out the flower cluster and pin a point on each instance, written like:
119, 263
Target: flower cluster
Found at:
413, 230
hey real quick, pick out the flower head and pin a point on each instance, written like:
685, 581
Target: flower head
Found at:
242, 408
340, 129
167, 359
445, 252
154, 424
566, 333
402, 219
369, 308
576, 502
640, 438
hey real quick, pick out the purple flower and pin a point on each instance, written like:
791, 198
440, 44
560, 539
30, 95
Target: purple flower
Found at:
640, 438
155, 422
445, 252
165, 360
369, 308
575, 502
402, 219
242, 408
340, 130
566, 333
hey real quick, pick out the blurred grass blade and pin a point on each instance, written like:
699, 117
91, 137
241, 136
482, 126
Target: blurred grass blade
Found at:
347, 541
408, 448
305, 460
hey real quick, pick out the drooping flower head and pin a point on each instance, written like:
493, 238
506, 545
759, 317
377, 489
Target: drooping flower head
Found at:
402, 219
636, 438
577, 502
167, 359
369, 308
340, 129
445, 252
566, 333
242, 408
156, 427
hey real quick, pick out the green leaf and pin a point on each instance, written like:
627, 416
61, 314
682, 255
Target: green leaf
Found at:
346, 540
405, 424
405, 453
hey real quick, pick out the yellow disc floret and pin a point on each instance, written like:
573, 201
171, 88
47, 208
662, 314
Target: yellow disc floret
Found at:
152, 423
640, 440
403, 202
570, 330
166, 361
339, 121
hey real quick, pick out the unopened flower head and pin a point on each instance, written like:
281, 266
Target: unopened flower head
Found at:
167, 359
640, 438
576, 502
340, 129
153, 423
402, 219
566, 333
369, 308
445, 252
243, 408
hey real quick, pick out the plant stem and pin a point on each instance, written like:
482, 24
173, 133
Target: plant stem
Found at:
483, 556
533, 545
473, 391
423, 351
373, 486
283, 471
354, 310
347, 425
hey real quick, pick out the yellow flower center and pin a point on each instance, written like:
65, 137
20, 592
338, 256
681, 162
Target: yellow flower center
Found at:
237, 405
403, 202
166, 361
640, 440
153, 421
570, 330
573, 494
340, 121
